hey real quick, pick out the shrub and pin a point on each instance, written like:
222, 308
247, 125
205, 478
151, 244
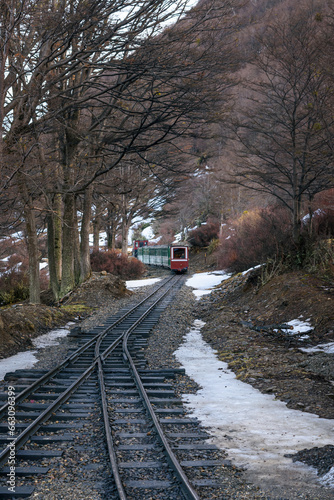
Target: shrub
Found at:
14, 287
254, 237
319, 256
118, 264
323, 222
214, 244
203, 235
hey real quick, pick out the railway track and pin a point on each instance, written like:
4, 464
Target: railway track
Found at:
151, 444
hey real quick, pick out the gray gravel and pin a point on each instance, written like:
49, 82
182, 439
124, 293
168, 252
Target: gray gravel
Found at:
82, 472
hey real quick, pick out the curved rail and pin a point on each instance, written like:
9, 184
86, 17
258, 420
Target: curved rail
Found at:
74, 356
45, 415
99, 357
187, 490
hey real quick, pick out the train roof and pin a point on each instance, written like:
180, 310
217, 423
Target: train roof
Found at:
177, 245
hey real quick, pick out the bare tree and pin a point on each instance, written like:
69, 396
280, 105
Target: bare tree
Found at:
83, 86
285, 138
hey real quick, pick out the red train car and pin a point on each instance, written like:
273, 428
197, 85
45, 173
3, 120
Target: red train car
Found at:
179, 258
176, 256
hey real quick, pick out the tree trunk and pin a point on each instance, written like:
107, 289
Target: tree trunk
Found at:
125, 234
34, 284
54, 238
32, 242
96, 228
111, 230
84, 233
67, 279
54, 277
57, 226
76, 252
296, 219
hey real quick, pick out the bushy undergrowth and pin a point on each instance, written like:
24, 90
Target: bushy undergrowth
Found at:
14, 287
254, 237
14, 280
203, 235
265, 236
118, 264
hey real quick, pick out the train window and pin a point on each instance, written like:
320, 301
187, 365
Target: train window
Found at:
179, 253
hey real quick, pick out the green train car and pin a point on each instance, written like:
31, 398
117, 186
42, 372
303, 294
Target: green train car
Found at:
175, 257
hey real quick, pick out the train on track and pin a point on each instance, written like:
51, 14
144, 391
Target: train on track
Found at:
138, 244
175, 257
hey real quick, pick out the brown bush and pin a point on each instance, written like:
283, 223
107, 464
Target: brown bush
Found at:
254, 237
117, 264
14, 282
203, 235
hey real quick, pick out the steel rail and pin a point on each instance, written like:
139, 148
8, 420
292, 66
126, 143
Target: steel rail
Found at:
25, 435
44, 416
74, 356
187, 489
109, 349
110, 443
103, 356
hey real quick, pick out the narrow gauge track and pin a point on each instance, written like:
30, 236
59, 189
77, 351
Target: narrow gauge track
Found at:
136, 405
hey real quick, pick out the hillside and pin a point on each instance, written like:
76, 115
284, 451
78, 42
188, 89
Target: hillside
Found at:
245, 323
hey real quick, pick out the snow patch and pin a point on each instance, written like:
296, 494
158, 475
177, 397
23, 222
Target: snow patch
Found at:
256, 430
326, 348
203, 283
299, 326
21, 360
328, 479
50, 339
132, 284
251, 269
27, 359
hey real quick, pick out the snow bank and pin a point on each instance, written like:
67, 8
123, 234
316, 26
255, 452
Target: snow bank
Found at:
203, 283
132, 284
256, 430
27, 359
50, 339
21, 360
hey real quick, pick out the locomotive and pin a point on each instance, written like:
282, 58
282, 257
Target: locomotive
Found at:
175, 257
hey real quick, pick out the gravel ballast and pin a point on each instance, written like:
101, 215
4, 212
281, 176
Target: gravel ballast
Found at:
75, 477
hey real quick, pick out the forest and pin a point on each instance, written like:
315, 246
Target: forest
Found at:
210, 120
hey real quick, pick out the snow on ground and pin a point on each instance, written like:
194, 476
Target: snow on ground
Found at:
148, 233
203, 283
251, 269
50, 339
27, 359
102, 239
326, 348
299, 326
328, 479
18, 361
255, 430
132, 284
